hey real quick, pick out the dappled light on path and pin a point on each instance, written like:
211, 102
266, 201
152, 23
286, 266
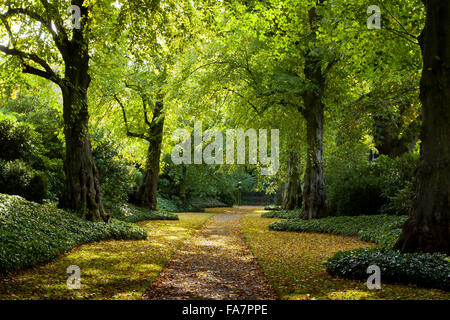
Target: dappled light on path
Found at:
215, 263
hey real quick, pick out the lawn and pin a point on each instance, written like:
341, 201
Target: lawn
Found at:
109, 269
295, 265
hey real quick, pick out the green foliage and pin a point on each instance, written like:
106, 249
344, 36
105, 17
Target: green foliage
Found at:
169, 205
131, 213
117, 176
33, 137
272, 207
367, 188
31, 233
424, 269
193, 188
380, 229
282, 214
16, 140
17, 177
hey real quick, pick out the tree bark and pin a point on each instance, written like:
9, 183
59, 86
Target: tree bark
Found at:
82, 191
147, 193
293, 190
314, 194
427, 229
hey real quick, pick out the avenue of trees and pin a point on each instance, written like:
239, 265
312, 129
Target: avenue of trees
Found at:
108, 94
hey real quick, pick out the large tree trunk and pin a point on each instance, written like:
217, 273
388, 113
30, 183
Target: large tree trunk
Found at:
82, 192
314, 194
293, 191
147, 193
427, 228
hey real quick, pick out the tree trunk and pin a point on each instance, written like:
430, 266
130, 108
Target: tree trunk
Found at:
82, 192
427, 229
293, 192
314, 194
147, 193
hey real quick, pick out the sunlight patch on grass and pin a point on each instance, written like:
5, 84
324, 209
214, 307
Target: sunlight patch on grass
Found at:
109, 269
294, 263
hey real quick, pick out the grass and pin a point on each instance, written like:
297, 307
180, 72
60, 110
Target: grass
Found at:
109, 269
295, 265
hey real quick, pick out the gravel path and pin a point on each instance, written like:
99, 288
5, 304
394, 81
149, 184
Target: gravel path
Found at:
214, 263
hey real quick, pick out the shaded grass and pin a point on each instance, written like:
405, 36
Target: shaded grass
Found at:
109, 269
295, 265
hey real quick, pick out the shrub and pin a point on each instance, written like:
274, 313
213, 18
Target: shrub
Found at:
169, 205
17, 177
38, 188
206, 202
32, 137
429, 270
380, 229
131, 213
282, 214
366, 188
32, 233
272, 207
117, 177
16, 140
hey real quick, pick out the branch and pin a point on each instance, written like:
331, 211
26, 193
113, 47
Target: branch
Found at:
47, 74
59, 36
143, 98
402, 35
130, 134
248, 101
401, 25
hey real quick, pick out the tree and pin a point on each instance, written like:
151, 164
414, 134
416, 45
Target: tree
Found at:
146, 195
293, 190
81, 192
427, 228
140, 70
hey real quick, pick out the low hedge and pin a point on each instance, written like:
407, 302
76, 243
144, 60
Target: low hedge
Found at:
131, 213
282, 214
380, 229
32, 233
428, 270
272, 207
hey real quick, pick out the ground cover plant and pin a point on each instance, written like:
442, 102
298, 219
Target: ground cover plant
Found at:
430, 270
131, 213
109, 269
32, 233
295, 264
380, 229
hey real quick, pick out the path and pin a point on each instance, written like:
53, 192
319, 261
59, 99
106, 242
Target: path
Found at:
214, 263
